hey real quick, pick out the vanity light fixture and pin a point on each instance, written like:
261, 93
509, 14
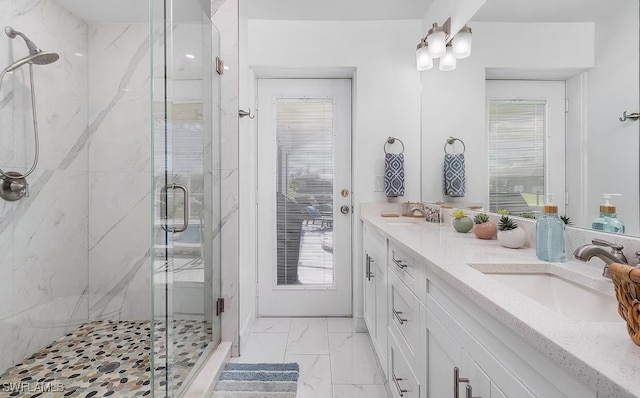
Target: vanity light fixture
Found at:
448, 61
440, 43
462, 43
437, 39
423, 58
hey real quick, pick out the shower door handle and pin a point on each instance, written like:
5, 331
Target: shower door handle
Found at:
164, 205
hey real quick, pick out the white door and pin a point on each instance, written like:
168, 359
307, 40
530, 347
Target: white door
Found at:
304, 197
527, 129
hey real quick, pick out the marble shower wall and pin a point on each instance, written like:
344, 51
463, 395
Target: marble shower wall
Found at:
119, 172
43, 238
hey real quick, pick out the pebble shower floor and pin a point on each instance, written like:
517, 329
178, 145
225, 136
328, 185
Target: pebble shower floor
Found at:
105, 359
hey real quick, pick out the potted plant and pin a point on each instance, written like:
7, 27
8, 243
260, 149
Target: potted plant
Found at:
510, 234
461, 222
483, 227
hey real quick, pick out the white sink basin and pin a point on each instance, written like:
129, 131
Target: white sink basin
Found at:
403, 221
567, 298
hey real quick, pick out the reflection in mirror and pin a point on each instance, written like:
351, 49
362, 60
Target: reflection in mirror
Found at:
591, 48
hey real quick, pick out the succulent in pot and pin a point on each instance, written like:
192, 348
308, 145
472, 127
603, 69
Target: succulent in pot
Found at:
461, 222
510, 234
483, 227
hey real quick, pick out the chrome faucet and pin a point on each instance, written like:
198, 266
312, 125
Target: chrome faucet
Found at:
605, 251
430, 215
421, 211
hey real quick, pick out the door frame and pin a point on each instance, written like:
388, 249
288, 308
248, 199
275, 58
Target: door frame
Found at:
340, 302
275, 72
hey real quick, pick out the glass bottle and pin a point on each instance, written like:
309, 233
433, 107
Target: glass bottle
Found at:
550, 235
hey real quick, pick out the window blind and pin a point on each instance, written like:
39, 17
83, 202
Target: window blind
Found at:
517, 131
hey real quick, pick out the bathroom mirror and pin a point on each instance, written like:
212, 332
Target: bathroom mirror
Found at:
588, 46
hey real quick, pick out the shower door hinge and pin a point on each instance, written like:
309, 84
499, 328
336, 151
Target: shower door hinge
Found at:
219, 306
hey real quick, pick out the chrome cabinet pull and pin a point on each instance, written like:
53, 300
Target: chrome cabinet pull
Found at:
470, 392
399, 263
398, 317
368, 272
456, 382
396, 380
164, 204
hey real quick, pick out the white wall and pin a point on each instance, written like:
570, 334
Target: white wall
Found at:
386, 92
454, 102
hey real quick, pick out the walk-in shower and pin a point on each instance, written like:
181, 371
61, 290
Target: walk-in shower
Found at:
109, 275
13, 185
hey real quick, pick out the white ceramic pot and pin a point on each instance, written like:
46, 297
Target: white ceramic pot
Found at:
513, 238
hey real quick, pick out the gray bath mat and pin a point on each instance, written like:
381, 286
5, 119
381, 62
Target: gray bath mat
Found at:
254, 380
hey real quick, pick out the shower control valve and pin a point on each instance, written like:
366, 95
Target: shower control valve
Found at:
13, 187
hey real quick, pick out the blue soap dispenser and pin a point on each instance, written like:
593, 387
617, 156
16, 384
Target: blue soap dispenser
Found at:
608, 220
550, 235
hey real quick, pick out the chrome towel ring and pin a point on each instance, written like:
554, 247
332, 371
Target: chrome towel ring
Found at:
451, 141
391, 141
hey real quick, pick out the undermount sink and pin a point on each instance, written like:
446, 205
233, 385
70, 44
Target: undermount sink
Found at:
565, 297
403, 221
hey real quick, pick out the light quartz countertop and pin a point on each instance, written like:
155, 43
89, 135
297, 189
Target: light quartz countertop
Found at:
600, 355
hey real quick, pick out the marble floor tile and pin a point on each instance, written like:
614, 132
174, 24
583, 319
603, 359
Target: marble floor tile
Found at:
272, 325
315, 375
359, 391
308, 336
340, 325
353, 360
264, 347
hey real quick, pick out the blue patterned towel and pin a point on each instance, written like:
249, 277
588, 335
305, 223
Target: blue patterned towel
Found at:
454, 180
394, 174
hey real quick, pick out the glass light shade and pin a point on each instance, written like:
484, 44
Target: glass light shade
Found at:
448, 60
462, 43
436, 41
423, 59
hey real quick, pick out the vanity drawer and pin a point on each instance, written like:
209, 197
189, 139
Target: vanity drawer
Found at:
402, 381
404, 313
405, 266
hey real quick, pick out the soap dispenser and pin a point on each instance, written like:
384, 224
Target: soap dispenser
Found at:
550, 234
608, 220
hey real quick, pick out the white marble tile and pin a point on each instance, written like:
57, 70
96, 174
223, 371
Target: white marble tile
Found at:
119, 108
271, 325
315, 375
353, 360
119, 249
264, 347
308, 336
340, 325
61, 87
359, 391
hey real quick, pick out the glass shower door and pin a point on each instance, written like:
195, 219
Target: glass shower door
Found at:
186, 271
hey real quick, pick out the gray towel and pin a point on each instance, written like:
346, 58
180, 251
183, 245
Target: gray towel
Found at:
394, 174
454, 179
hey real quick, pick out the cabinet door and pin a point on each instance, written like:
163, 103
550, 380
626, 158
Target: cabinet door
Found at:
478, 379
380, 272
443, 354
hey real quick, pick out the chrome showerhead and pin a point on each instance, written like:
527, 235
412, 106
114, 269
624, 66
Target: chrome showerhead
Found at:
36, 55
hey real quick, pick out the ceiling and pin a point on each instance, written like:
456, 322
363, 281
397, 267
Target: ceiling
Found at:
337, 10
542, 10
128, 11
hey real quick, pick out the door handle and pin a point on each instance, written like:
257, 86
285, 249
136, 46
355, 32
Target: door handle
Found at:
398, 317
397, 381
456, 382
344, 209
164, 204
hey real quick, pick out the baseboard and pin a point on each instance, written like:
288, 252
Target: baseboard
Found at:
359, 324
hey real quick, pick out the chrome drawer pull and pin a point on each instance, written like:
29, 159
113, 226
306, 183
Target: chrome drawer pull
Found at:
397, 315
399, 263
396, 381
368, 272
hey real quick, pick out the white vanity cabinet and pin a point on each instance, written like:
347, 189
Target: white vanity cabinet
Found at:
496, 362
375, 291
